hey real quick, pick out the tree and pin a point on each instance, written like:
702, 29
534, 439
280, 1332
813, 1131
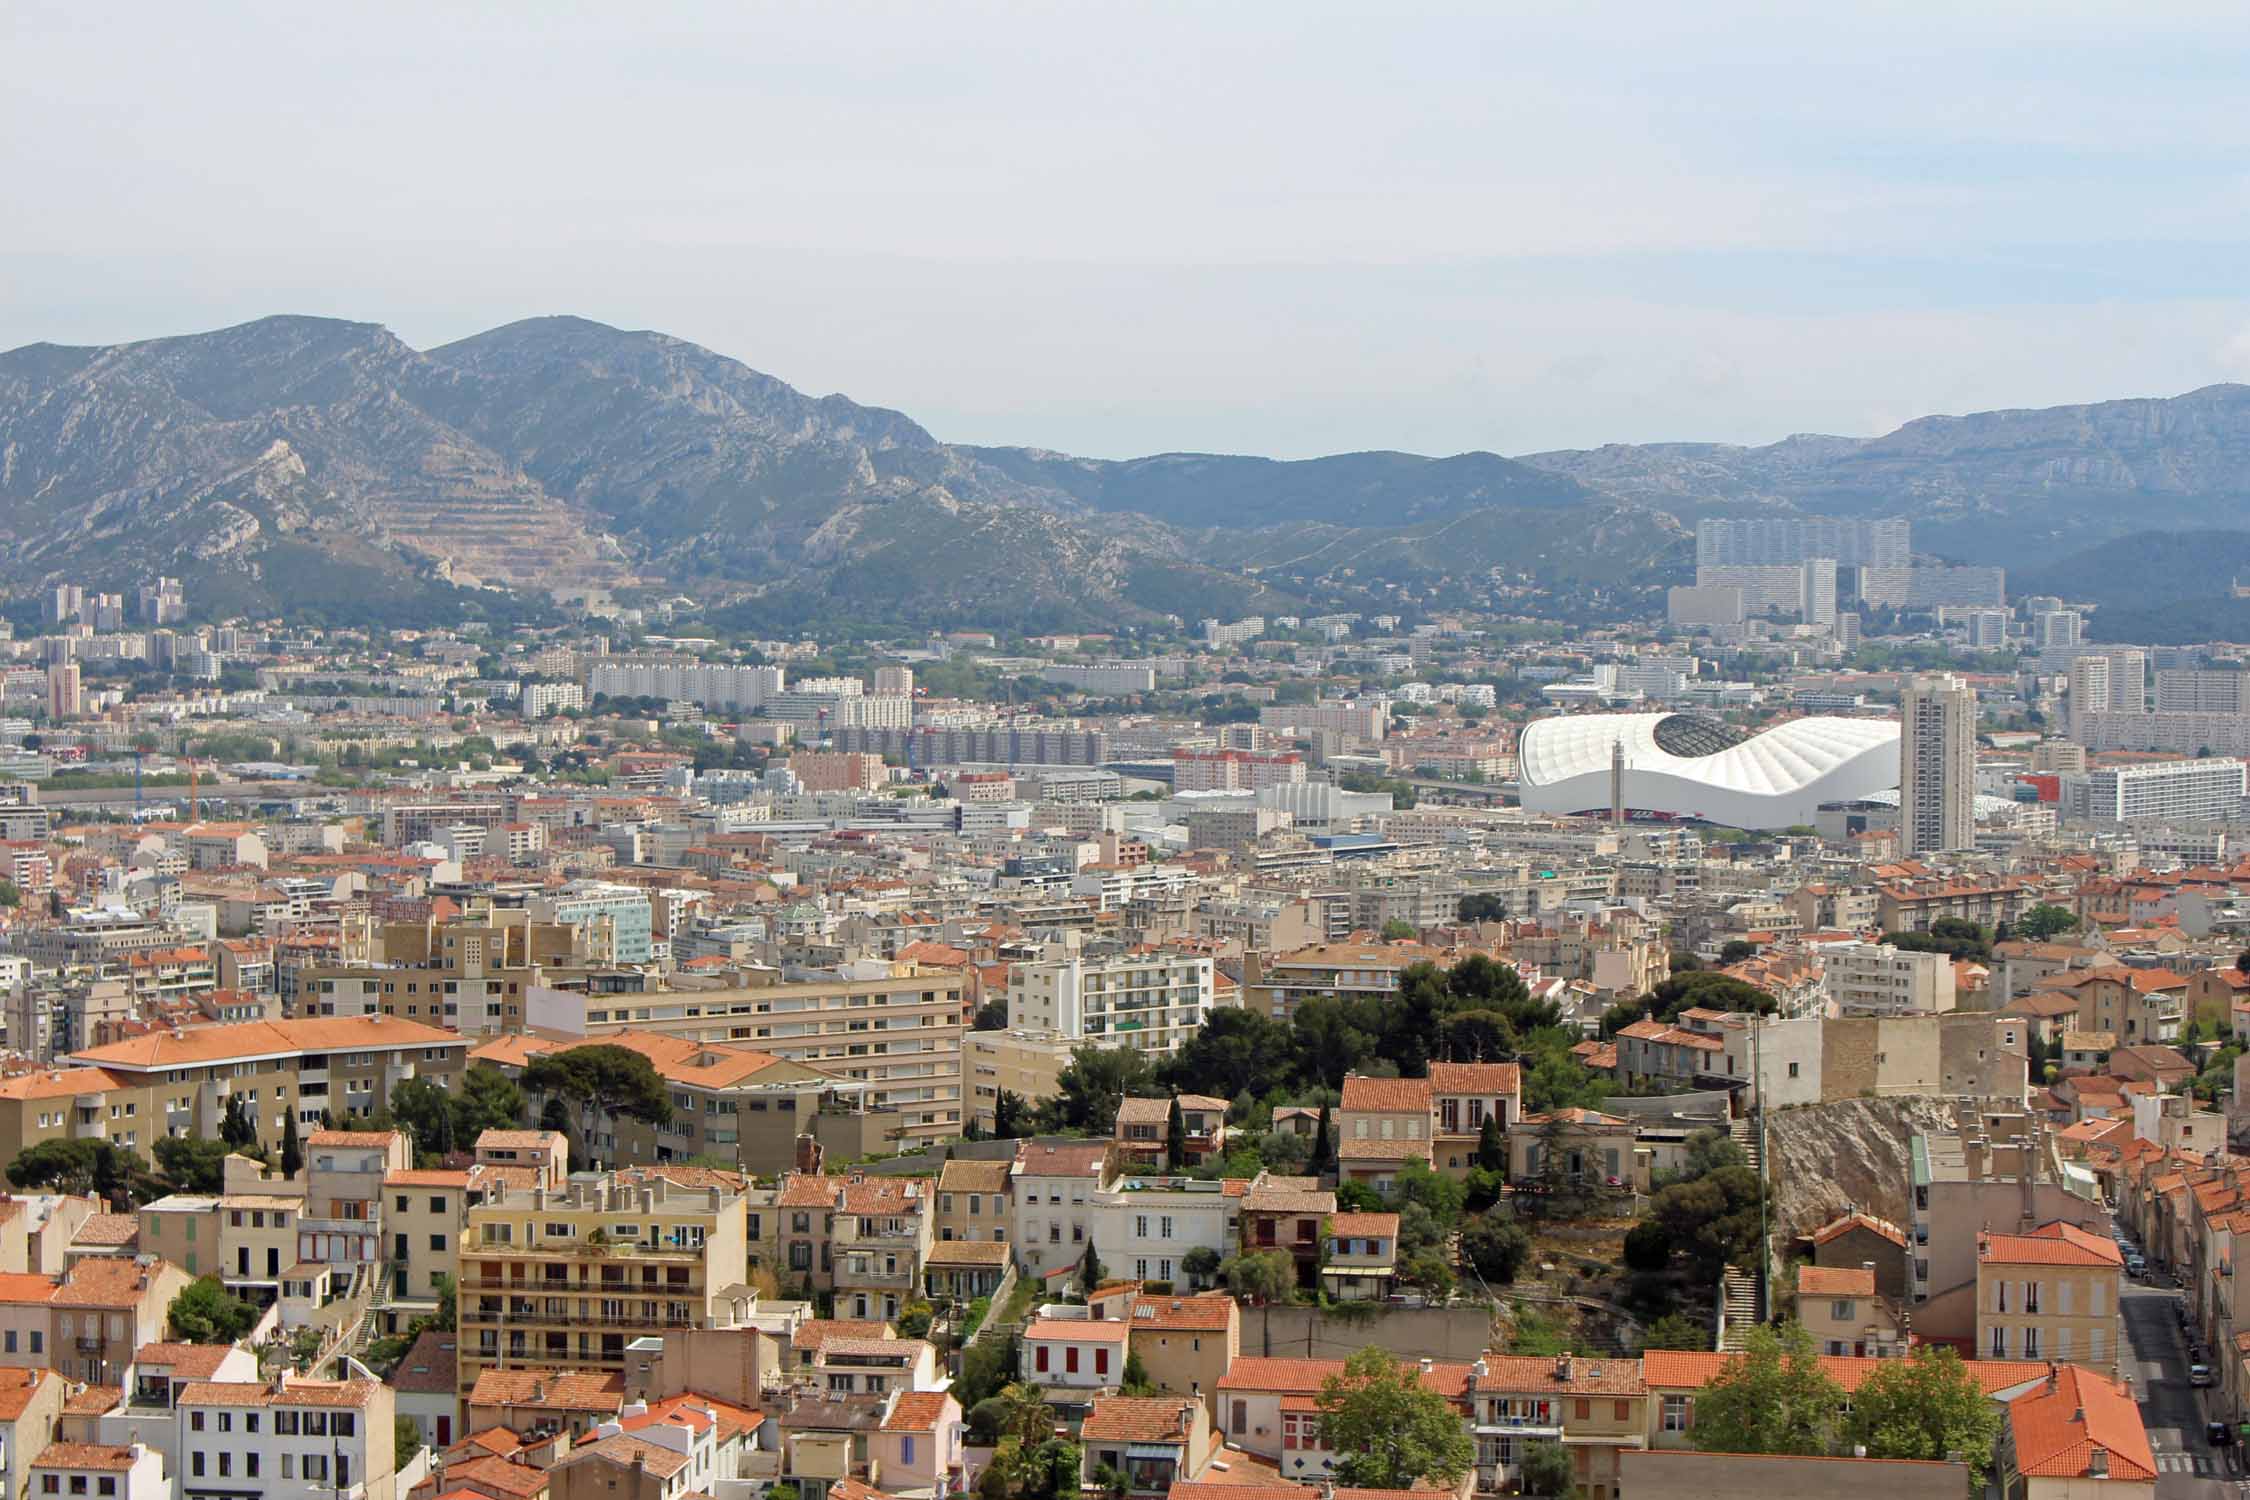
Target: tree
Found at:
1676, 1331
1545, 1470
1430, 1271
1774, 1399
83, 1165
1262, 1276
236, 1128
406, 1441
1397, 931
489, 1100
1389, 1430
1440, 1194
1236, 1051
1735, 950
991, 1016
2046, 921
1011, 1115
1200, 1264
1492, 1145
1648, 1247
1708, 1150
1712, 1220
1482, 909
605, 1082
1175, 1137
1322, 1147
1089, 1269
1136, 1381
1926, 1406
191, 1165
1497, 1246
1091, 1084
914, 1318
205, 1312
292, 1150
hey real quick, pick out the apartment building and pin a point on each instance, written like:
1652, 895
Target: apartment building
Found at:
177, 1083
1596, 1408
423, 1217
1186, 1343
1839, 1307
1288, 1214
865, 1238
893, 1025
731, 1102
973, 1200
1275, 983
468, 976
1144, 1226
1051, 1189
2050, 1293
1880, 980
570, 1278
1382, 1124
1026, 1064
1143, 1130
1151, 1002
1462, 1097
241, 1440
87, 1322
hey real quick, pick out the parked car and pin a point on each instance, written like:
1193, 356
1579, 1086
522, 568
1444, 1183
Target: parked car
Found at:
2135, 1266
2199, 1374
2218, 1434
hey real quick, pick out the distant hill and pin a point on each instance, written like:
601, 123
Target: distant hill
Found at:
322, 464
2159, 588
2014, 487
271, 460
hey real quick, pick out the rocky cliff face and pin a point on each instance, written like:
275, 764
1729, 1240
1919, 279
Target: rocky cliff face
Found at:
1827, 1158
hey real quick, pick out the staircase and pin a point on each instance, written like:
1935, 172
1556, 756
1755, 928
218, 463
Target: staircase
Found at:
1738, 1290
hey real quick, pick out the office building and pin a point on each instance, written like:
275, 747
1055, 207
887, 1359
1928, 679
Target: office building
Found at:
2089, 689
1794, 539
1988, 629
1720, 604
2189, 690
66, 699
2056, 629
1877, 979
2205, 789
1816, 591
894, 682
617, 921
1937, 766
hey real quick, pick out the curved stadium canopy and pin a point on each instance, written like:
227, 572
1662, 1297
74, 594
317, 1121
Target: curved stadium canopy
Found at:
1691, 767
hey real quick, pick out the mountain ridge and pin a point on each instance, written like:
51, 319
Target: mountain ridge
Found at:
559, 455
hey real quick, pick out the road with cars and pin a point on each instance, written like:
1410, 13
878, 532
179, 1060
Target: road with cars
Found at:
2160, 1362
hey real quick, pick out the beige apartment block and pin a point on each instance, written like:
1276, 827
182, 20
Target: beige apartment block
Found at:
571, 1278
894, 1027
1026, 1064
177, 1083
2049, 1294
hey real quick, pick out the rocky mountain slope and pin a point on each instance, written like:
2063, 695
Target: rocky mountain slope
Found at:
560, 455
2000, 486
307, 461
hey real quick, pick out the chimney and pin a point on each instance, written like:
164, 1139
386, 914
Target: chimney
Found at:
1562, 1366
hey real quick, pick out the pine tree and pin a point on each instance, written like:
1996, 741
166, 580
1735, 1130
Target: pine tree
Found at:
1089, 1269
292, 1151
1175, 1137
1318, 1161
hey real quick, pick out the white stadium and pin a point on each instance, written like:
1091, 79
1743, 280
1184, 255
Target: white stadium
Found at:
1691, 768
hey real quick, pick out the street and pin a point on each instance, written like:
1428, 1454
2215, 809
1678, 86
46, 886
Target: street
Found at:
2187, 1467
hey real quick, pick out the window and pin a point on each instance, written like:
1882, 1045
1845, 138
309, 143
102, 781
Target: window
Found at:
1585, 1410
1039, 1359
51, 1484
1623, 1411
1999, 1343
906, 1449
1676, 1413
1843, 1311
2031, 1341
195, 1463
195, 1421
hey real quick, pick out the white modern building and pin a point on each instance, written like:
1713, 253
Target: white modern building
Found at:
2208, 789
1689, 767
1151, 1002
1876, 979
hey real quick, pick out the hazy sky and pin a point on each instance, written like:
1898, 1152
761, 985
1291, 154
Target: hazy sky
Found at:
1117, 229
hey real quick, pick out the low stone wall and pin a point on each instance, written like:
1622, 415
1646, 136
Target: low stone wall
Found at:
1456, 1333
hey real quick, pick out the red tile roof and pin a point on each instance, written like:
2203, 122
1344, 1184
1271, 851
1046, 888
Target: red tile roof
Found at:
2055, 1244
2058, 1427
